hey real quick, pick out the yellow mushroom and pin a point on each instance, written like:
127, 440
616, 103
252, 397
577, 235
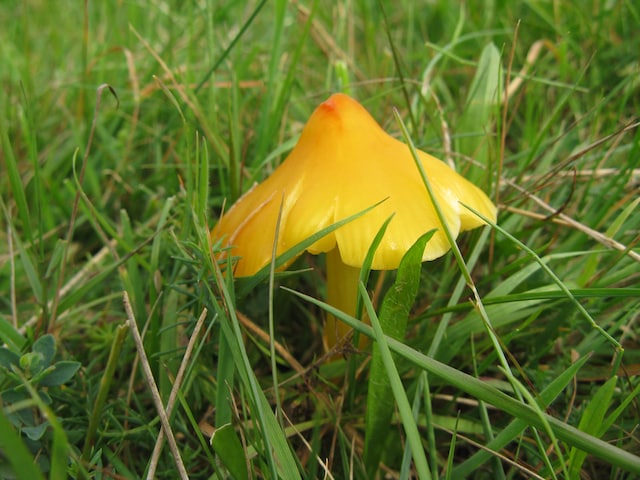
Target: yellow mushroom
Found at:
344, 163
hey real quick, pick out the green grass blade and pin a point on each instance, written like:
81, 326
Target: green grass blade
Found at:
516, 427
411, 429
591, 422
232, 44
31, 271
226, 443
14, 450
484, 96
105, 384
17, 187
273, 99
244, 286
556, 280
393, 318
274, 441
10, 336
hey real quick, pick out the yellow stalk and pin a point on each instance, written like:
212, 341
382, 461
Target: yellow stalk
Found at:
342, 293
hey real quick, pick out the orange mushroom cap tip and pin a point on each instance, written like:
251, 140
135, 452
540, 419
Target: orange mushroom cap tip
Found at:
344, 163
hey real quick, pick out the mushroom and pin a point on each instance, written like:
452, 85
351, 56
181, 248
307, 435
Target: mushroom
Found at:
344, 163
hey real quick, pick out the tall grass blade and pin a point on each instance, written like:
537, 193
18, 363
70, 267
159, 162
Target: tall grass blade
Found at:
17, 186
404, 407
393, 318
226, 443
475, 124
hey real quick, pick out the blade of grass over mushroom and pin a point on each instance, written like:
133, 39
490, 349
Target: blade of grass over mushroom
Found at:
393, 318
458, 255
272, 344
246, 285
365, 272
496, 342
414, 439
491, 395
455, 298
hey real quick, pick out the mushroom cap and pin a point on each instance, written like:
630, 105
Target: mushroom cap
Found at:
344, 163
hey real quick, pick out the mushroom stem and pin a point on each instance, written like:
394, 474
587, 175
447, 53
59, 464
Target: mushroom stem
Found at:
342, 293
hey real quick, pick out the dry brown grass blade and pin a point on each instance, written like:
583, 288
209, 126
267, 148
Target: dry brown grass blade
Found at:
177, 383
532, 56
264, 336
569, 221
153, 388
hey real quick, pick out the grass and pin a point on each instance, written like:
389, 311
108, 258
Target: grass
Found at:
126, 128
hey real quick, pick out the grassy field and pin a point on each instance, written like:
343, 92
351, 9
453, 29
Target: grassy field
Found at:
127, 127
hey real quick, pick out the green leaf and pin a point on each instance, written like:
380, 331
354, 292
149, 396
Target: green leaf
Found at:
226, 443
35, 433
46, 346
31, 363
394, 315
8, 358
62, 372
365, 270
